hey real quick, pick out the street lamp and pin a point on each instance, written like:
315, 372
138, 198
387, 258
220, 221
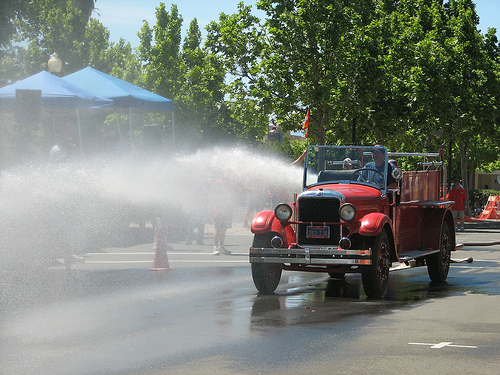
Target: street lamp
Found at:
54, 63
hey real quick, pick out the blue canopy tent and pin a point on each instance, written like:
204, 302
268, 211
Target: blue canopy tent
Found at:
123, 94
55, 93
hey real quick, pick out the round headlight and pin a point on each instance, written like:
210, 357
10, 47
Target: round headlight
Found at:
347, 212
283, 212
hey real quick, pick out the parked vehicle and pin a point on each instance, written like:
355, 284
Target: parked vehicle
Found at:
348, 220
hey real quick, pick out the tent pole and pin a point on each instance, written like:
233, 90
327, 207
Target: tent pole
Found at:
130, 123
118, 127
79, 130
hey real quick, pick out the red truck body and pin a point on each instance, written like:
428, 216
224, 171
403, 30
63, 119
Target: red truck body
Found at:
357, 217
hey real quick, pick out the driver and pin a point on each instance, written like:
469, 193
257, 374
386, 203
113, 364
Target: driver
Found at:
378, 155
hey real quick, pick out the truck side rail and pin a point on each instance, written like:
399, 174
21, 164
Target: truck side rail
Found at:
428, 204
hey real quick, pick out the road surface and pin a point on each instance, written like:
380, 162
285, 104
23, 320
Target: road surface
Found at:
113, 315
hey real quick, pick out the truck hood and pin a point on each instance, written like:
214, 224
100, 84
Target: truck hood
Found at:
349, 191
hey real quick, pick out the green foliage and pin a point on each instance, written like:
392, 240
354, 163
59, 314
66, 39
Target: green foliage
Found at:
11, 65
415, 75
46, 26
10, 11
491, 167
193, 77
54, 25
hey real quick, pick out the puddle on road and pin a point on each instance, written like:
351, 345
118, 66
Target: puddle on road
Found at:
332, 300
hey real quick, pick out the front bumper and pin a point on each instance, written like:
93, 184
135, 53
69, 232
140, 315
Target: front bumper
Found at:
311, 256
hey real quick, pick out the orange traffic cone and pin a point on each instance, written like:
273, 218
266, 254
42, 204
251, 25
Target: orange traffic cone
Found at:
161, 259
491, 211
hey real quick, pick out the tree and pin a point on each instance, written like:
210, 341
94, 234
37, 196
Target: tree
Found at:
409, 70
10, 11
159, 49
54, 26
117, 59
237, 44
303, 57
65, 27
472, 80
186, 73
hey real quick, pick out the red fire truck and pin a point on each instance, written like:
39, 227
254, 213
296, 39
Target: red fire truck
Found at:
358, 213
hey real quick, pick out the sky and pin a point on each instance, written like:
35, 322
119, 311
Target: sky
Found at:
124, 18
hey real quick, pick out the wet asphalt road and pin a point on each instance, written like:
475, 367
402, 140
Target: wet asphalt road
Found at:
112, 315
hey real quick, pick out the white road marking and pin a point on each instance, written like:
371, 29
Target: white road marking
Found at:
116, 261
142, 253
152, 253
442, 345
170, 261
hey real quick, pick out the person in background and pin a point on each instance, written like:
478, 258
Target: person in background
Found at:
458, 194
197, 218
347, 164
300, 159
65, 225
222, 214
62, 151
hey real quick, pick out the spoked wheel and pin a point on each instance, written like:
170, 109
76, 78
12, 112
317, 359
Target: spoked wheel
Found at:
266, 276
438, 264
376, 276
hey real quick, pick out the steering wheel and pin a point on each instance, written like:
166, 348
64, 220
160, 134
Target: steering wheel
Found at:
361, 177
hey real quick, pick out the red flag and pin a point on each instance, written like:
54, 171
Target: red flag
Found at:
306, 124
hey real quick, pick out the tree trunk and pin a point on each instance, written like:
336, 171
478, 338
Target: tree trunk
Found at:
463, 164
320, 129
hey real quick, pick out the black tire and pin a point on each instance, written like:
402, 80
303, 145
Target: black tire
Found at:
438, 264
376, 276
266, 276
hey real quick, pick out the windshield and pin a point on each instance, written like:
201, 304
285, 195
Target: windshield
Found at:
346, 164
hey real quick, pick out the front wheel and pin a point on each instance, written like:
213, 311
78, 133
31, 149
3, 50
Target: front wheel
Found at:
266, 276
376, 276
438, 264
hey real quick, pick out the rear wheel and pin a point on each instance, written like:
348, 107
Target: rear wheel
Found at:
438, 264
266, 276
376, 276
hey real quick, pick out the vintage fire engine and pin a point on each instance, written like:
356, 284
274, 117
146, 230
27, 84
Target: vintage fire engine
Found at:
349, 220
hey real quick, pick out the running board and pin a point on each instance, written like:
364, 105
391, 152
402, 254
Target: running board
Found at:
406, 257
420, 254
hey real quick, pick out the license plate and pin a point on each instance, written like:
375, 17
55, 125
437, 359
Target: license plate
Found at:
316, 231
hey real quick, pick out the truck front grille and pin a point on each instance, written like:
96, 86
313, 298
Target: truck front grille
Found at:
318, 210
